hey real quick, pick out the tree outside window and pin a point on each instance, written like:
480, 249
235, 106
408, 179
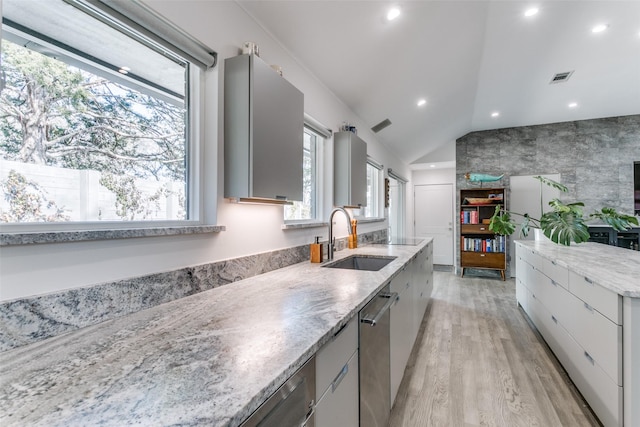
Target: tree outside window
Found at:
82, 147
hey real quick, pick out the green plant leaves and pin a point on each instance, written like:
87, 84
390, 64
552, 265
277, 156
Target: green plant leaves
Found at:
552, 183
501, 222
618, 221
564, 226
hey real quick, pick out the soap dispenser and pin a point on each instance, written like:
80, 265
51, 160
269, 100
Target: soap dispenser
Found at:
316, 250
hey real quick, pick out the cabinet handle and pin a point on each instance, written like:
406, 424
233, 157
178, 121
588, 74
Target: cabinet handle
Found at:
553, 262
589, 358
554, 319
588, 307
336, 382
554, 283
312, 405
340, 330
589, 281
482, 228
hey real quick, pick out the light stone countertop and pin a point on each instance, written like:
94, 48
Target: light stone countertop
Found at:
207, 359
614, 268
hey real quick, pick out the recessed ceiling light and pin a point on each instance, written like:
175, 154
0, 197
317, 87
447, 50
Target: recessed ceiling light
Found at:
495, 114
573, 105
393, 13
599, 28
531, 12
432, 166
422, 102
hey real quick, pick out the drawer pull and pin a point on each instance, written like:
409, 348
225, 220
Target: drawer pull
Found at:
588, 307
589, 281
589, 358
343, 373
554, 283
553, 263
554, 319
342, 328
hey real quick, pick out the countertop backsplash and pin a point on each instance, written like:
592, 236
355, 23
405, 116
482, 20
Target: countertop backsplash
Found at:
28, 320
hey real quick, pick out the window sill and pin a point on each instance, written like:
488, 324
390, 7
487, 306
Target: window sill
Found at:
32, 238
301, 225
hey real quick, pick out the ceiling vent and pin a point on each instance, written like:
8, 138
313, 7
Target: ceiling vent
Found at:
383, 124
561, 77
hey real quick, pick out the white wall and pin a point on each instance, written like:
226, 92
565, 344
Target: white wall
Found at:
224, 26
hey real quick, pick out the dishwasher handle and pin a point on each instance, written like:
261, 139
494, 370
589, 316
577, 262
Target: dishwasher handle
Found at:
373, 321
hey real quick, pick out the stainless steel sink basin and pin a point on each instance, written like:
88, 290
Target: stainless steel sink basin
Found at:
362, 262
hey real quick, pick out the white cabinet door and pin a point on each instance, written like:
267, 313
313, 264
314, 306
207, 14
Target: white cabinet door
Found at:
339, 405
401, 339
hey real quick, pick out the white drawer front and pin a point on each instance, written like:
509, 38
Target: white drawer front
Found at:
340, 404
332, 357
555, 272
554, 297
521, 294
603, 395
605, 301
599, 336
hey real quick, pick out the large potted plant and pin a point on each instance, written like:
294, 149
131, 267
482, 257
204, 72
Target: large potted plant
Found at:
563, 223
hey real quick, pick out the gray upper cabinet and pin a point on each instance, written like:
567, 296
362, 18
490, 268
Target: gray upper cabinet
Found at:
349, 170
263, 131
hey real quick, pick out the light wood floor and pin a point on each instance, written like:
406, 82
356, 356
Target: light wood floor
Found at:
478, 362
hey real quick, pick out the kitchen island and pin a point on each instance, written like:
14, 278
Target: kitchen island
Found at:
585, 301
207, 359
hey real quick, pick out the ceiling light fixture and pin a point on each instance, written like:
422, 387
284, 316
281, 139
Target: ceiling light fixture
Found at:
599, 28
495, 114
393, 13
573, 105
422, 102
432, 166
531, 12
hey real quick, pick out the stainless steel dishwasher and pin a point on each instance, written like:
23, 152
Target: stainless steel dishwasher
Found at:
375, 388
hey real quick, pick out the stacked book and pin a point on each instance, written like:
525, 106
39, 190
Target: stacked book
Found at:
496, 244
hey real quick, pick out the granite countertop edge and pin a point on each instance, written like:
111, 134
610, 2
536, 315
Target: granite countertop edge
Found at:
613, 268
221, 352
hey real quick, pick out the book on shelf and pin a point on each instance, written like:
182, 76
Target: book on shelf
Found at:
474, 244
469, 217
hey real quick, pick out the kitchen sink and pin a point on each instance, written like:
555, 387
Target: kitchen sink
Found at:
362, 262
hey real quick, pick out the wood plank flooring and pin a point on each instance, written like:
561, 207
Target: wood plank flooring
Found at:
479, 362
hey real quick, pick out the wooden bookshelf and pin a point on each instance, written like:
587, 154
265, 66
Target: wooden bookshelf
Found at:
479, 246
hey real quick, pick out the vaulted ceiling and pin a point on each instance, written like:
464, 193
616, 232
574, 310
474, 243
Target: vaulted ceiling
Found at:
467, 59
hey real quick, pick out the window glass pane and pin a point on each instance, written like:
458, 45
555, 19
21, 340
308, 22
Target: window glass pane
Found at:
82, 142
373, 193
306, 209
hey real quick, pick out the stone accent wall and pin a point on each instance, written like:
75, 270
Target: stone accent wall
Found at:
33, 319
594, 158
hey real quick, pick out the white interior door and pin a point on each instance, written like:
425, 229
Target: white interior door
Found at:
525, 198
433, 213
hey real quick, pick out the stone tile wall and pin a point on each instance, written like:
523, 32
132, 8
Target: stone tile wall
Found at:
594, 157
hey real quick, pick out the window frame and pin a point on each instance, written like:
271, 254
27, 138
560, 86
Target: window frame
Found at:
194, 133
374, 210
312, 128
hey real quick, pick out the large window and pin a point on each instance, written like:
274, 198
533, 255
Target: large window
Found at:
95, 121
373, 189
306, 210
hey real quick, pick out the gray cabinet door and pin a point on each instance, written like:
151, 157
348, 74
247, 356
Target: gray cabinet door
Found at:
278, 120
350, 170
264, 119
